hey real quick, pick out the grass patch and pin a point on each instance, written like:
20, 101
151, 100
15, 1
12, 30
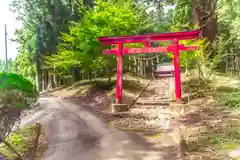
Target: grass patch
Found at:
228, 96
217, 140
218, 118
21, 139
85, 87
193, 85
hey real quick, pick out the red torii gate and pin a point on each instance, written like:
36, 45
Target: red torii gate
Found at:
147, 39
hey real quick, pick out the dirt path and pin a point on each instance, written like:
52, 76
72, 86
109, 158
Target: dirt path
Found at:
74, 134
151, 112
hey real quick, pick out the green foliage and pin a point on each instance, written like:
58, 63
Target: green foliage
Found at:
24, 66
10, 81
20, 139
39, 34
229, 22
80, 46
66, 40
228, 97
11, 65
182, 17
16, 91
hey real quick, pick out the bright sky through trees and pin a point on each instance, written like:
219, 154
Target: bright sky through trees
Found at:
7, 17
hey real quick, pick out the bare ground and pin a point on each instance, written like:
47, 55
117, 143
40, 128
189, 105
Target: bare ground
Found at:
212, 129
78, 127
152, 122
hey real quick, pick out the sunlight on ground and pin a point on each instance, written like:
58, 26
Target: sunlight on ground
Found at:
154, 136
227, 81
21, 140
68, 92
213, 123
131, 86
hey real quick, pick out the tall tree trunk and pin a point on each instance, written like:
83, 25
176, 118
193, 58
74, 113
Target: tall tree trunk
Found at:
50, 79
38, 75
90, 75
75, 74
203, 12
45, 79
152, 65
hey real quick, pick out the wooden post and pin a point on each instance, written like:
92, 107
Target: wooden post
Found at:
119, 74
130, 64
172, 95
144, 68
152, 63
135, 65
141, 66
177, 71
146, 44
157, 59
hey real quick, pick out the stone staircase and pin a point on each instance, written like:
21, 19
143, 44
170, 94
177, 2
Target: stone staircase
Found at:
154, 106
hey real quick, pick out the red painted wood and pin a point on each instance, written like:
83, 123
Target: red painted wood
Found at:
146, 39
150, 37
151, 50
119, 74
190, 48
182, 47
146, 50
147, 44
110, 51
177, 71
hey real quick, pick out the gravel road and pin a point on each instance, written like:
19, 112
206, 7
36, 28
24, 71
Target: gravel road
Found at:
76, 134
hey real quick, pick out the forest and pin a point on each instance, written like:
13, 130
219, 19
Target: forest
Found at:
57, 42
61, 73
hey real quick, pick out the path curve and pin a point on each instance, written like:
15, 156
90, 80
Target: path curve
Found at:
76, 134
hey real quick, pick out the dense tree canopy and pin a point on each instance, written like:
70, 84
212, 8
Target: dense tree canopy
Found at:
80, 47
61, 34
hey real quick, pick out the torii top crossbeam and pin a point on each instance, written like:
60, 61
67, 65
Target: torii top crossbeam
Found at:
150, 37
120, 51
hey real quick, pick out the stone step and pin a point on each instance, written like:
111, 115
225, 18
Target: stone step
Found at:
150, 111
159, 123
161, 99
152, 102
147, 107
140, 115
150, 106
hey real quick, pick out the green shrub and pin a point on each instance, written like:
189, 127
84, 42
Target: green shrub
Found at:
21, 139
16, 94
12, 81
231, 100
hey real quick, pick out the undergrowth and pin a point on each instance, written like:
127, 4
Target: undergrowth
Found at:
218, 121
20, 139
229, 97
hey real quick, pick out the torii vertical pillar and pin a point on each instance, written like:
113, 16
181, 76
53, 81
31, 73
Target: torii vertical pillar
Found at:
176, 48
177, 73
119, 80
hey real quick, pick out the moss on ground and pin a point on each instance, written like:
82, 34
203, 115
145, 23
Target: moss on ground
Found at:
85, 87
21, 139
217, 116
